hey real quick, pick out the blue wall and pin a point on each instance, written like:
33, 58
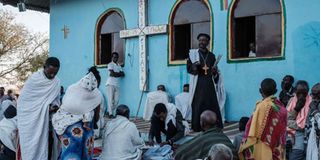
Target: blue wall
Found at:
302, 50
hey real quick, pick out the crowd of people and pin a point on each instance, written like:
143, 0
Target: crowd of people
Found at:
46, 123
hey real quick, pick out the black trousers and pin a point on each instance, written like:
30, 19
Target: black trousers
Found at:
6, 153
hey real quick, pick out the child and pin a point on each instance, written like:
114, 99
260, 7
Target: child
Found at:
242, 127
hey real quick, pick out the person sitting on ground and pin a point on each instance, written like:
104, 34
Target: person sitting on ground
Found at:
265, 135
182, 103
8, 134
153, 98
242, 127
122, 140
298, 109
198, 147
287, 89
168, 120
220, 152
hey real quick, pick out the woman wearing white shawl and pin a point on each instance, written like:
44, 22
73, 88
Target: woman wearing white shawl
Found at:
73, 121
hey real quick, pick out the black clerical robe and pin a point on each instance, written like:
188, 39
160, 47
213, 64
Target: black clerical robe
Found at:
205, 97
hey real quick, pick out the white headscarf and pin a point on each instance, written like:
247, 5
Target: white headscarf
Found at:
83, 96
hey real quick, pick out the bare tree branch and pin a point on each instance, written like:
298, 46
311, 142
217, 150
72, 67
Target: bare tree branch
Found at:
22, 52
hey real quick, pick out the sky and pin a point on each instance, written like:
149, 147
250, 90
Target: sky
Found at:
35, 21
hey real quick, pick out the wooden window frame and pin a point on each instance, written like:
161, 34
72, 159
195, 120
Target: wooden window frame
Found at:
97, 31
230, 37
174, 9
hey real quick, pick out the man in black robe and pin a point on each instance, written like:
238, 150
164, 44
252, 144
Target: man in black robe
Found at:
205, 70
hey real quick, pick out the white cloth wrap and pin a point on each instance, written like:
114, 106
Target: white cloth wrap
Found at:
33, 114
122, 140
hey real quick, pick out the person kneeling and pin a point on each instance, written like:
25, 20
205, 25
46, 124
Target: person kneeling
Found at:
168, 120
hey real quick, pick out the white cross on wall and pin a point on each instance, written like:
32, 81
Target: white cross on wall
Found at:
142, 31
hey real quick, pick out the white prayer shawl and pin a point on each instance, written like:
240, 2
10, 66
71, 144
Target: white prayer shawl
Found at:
154, 98
3, 107
313, 151
33, 115
78, 104
122, 140
220, 91
8, 132
182, 103
82, 97
171, 116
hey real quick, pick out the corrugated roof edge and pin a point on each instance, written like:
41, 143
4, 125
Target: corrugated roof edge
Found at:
29, 5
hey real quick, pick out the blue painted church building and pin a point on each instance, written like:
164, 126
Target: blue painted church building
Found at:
153, 38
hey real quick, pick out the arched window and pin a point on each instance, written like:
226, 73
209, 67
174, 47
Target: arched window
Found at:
256, 29
188, 19
108, 39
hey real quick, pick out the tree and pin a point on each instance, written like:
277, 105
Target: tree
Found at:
21, 52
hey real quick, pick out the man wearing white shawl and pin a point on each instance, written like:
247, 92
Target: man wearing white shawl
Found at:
122, 140
182, 103
153, 98
39, 92
206, 87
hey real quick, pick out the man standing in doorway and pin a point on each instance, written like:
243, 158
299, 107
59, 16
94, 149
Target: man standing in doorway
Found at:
205, 82
113, 87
